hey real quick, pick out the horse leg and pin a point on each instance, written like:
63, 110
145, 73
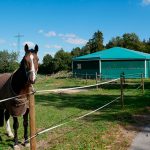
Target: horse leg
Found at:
8, 128
1, 120
1, 117
25, 124
15, 127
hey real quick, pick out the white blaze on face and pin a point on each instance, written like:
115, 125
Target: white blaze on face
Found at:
33, 73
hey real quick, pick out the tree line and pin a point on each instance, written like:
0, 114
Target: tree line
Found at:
62, 60
8, 61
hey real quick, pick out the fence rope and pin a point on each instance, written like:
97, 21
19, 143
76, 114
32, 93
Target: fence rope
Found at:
7, 99
53, 90
75, 88
75, 119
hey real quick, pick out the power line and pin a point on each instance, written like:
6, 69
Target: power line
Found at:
18, 36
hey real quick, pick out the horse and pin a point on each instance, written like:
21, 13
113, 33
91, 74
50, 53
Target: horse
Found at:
18, 84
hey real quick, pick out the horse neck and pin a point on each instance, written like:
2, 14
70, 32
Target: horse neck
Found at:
19, 81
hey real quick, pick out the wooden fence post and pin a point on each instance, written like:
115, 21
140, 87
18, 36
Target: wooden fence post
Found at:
142, 82
121, 87
32, 120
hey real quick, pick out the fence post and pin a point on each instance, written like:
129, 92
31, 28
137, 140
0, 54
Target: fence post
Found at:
142, 82
32, 120
96, 80
121, 87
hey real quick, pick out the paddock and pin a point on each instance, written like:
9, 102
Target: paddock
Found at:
94, 130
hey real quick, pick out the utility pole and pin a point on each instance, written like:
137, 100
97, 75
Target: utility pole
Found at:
18, 36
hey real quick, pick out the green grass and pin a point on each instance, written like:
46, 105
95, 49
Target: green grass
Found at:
96, 131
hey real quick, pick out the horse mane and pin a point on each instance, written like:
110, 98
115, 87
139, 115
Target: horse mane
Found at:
19, 77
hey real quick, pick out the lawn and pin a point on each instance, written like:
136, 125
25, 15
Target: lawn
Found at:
105, 129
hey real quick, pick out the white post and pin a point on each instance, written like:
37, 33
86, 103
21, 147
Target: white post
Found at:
100, 69
145, 68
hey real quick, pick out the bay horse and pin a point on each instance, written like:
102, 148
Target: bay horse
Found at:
18, 84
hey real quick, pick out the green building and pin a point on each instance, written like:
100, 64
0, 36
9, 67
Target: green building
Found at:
110, 63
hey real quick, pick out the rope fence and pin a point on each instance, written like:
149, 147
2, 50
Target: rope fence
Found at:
121, 97
75, 88
75, 119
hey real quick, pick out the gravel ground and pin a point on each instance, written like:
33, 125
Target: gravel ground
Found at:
142, 140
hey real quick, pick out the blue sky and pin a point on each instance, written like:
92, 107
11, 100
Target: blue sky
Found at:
55, 24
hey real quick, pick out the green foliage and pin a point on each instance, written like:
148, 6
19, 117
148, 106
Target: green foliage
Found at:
130, 41
48, 65
76, 51
63, 60
94, 44
8, 61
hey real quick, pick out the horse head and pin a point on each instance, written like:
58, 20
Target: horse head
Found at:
31, 63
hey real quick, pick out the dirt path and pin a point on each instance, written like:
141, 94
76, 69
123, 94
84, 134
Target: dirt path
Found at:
142, 140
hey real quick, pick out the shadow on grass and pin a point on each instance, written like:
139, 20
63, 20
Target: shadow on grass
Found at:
91, 102
86, 102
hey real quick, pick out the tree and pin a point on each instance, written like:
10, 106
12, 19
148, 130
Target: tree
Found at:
76, 52
96, 43
8, 61
48, 65
147, 45
127, 40
63, 60
131, 41
114, 42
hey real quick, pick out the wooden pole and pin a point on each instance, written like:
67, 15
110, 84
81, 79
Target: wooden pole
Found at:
142, 82
32, 120
122, 94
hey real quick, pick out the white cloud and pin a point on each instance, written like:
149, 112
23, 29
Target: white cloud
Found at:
41, 31
29, 43
53, 46
68, 35
13, 44
76, 40
52, 53
146, 2
50, 34
2, 41
72, 38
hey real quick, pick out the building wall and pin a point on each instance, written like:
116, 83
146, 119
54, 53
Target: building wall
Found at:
89, 67
148, 68
113, 69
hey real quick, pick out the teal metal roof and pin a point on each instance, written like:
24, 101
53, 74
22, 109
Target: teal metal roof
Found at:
114, 53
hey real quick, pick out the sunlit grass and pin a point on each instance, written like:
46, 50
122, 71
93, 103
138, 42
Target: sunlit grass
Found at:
96, 131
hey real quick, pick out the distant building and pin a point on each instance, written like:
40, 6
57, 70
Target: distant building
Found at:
110, 63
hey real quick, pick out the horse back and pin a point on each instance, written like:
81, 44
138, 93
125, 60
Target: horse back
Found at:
4, 79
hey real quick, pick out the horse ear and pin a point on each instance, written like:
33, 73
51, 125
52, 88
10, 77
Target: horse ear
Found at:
36, 48
26, 48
